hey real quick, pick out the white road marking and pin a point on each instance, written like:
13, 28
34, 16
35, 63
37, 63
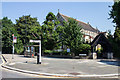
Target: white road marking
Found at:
12, 64
32, 75
83, 61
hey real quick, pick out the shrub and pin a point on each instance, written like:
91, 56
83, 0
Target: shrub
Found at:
48, 51
56, 52
84, 49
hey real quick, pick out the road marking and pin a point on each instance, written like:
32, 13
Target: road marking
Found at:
11, 64
83, 61
101, 63
27, 74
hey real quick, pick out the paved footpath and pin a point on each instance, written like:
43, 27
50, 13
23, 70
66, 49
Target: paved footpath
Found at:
63, 67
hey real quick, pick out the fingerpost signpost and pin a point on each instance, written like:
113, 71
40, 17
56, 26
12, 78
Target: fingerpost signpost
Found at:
14, 41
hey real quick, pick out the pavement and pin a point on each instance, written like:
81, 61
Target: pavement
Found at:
60, 67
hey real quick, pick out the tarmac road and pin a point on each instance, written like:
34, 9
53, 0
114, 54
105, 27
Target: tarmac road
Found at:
5, 73
14, 75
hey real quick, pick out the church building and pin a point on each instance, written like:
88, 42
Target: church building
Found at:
89, 33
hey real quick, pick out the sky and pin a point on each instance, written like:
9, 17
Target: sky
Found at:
96, 13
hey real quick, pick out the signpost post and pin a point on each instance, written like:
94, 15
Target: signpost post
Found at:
39, 55
14, 41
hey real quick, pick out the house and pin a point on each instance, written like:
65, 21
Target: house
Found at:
89, 33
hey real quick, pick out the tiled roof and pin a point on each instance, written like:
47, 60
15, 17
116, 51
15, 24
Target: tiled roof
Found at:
85, 26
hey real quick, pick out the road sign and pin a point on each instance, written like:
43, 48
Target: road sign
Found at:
68, 50
15, 39
36, 41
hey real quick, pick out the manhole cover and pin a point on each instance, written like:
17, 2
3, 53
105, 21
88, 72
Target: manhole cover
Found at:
75, 73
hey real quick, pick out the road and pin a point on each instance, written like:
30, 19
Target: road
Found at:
14, 75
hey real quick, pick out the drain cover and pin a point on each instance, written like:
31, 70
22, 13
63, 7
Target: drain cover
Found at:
75, 73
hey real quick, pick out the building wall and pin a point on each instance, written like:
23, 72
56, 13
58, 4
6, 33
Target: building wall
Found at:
87, 35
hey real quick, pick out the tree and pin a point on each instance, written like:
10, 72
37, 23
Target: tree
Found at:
8, 28
72, 36
115, 15
7, 32
50, 32
28, 28
50, 17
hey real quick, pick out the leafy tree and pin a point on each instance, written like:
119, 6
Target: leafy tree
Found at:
115, 15
7, 32
8, 28
115, 46
50, 17
50, 32
28, 28
72, 36
0, 35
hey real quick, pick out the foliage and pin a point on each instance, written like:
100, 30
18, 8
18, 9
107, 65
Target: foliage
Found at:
7, 32
8, 29
72, 36
84, 49
48, 52
28, 28
50, 32
115, 15
115, 46
19, 48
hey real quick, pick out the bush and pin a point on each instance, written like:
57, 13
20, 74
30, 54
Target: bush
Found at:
56, 52
84, 49
48, 51
65, 52
116, 50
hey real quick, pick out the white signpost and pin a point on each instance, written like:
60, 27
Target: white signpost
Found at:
14, 41
39, 55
